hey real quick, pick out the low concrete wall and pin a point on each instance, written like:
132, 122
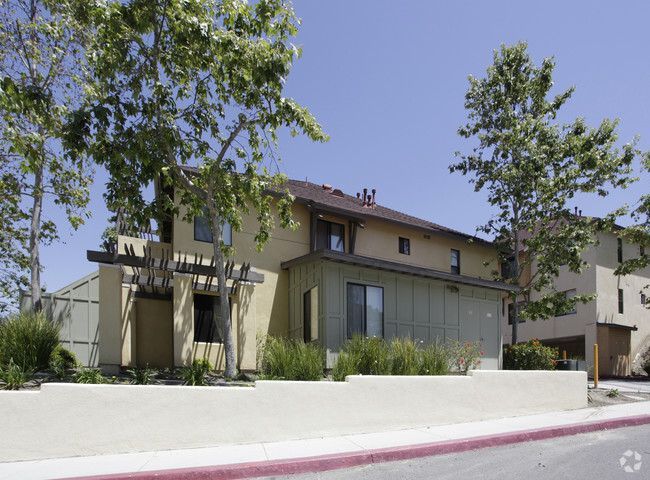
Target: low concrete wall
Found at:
69, 420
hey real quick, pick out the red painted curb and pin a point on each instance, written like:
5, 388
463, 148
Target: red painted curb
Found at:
367, 457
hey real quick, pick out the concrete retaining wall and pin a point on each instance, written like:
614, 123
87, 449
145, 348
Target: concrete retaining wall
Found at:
68, 420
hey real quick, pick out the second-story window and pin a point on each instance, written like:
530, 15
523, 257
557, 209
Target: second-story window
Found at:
404, 246
619, 250
330, 235
455, 261
508, 268
620, 300
202, 232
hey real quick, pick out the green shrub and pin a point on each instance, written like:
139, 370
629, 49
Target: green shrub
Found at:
464, 355
61, 361
290, 359
531, 355
14, 376
195, 372
404, 356
141, 376
345, 365
433, 360
28, 339
88, 376
372, 354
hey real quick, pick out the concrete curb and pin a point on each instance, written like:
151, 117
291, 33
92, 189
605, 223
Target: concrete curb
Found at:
367, 457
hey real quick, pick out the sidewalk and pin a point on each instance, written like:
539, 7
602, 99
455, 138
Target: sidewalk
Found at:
312, 455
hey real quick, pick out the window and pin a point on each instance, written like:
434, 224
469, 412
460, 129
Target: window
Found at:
619, 250
207, 314
508, 268
310, 315
404, 246
330, 235
643, 299
511, 314
455, 261
365, 310
569, 294
202, 232
620, 300
641, 250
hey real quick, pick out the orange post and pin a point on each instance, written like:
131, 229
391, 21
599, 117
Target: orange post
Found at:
595, 365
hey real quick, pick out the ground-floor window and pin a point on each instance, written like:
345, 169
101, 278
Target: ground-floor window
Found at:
365, 313
310, 315
207, 318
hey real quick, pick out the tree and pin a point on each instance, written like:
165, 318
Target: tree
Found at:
638, 232
531, 168
41, 73
195, 83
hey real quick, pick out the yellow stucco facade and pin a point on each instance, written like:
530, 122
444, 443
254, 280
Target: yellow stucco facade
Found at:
158, 330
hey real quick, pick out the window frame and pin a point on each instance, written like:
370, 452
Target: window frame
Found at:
619, 250
201, 226
214, 330
404, 245
621, 301
510, 309
349, 330
328, 233
455, 266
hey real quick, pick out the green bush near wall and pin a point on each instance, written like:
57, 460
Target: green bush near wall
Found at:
531, 355
29, 339
284, 359
400, 356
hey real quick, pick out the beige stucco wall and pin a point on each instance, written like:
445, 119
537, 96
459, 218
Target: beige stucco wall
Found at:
106, 419
381, 240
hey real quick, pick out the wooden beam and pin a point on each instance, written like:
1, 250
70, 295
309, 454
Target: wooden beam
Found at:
243, 275
168, 283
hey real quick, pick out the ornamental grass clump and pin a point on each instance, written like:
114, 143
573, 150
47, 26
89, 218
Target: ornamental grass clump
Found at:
465, 356
404, 356
195, 373
286, 359
90, 376
13, 376
29, 339
433, 360
371, 353
531, 355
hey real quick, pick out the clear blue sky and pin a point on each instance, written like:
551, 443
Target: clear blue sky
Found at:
387, 81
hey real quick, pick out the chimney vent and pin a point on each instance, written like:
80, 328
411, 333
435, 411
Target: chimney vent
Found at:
327, 187
374, 191
580, 213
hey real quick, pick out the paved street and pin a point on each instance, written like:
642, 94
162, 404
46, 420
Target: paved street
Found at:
586, 456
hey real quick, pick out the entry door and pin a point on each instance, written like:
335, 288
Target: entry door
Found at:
619, 349
153, 333
479, 322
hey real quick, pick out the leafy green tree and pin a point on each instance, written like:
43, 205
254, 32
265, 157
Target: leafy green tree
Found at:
195, 83
41, 74
638, 232
531, 167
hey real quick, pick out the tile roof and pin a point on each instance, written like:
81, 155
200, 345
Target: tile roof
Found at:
326, 198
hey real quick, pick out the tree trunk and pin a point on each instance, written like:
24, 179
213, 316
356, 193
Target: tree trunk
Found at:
517, 276
226, 324
34, 238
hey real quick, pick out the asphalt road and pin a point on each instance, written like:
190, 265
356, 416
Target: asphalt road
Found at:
598, 455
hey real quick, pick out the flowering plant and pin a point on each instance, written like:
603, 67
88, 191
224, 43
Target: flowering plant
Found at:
465, 355
531, 355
